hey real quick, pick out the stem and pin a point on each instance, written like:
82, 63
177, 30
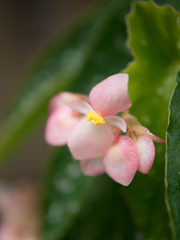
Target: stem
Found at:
133, 136
128, 125
117, 136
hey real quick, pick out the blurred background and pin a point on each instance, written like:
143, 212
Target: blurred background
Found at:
25, 27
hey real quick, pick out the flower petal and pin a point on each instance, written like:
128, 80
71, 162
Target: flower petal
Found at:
61, 99
87, 140
146, 151
59, 125
155, 138
130, 119
122, 160
111, 95
65, 98
93, 166
81, 106
117, 122
140, 130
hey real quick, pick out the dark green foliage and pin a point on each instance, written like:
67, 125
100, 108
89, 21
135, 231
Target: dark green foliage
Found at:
173, 162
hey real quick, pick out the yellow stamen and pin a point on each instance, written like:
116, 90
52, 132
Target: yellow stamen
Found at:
95, 118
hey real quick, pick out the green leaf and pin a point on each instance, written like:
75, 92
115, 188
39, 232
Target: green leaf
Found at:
61, 67
104, 215
173, 162
153, 39
173, 3
64, 191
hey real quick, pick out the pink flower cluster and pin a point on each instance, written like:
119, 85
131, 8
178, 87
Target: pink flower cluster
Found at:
19, 211
92, 132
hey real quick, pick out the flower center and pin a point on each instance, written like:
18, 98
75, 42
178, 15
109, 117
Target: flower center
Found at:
95, 118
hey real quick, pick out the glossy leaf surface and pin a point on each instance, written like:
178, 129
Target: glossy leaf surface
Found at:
153, 38
104, 215
173, 162
64, 191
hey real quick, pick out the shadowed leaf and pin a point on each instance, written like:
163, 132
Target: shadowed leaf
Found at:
173, 162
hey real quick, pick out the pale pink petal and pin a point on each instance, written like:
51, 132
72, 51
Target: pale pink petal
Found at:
59, 125
61, 99
65, 98
87, 140
117, 122
155, 138
81, 106
146, 151
140, 130
130, 119
122, 160
111, 95
92, 166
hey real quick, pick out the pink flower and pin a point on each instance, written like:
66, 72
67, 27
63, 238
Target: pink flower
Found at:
94, 138
93, 135
127, 155
19, 212
62, 118
120, 162
144, 142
